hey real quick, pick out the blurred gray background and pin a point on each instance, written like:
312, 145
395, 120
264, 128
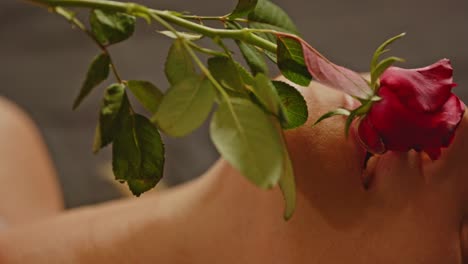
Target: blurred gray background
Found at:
43, 62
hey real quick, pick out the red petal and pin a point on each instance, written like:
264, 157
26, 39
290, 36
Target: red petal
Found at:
447, 120
394, 122
403, 129
425, 89
370, 138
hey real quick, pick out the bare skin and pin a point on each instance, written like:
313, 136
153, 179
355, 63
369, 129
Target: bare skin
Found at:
29, 188
413, 212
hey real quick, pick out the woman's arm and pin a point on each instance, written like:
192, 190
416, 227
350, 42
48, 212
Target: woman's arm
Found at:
28, 185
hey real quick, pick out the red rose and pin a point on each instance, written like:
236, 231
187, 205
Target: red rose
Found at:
418, 111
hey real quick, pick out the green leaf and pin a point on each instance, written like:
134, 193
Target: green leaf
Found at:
179, 64
245, 76
266, 94
137, 151
98, 72
111, 27
246, 137
271, 56
268, 13
269, 16
147, 93
108, 116
338, 111
291, 61
293, 105
287, 182
139, 186
243, 8
126, 155
185, 35
381, 67
288, 185
251, 54
151, 148
253, 57
185, 106
382, 49
226, 72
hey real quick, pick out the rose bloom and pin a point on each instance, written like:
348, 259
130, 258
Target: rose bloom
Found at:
418, 111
